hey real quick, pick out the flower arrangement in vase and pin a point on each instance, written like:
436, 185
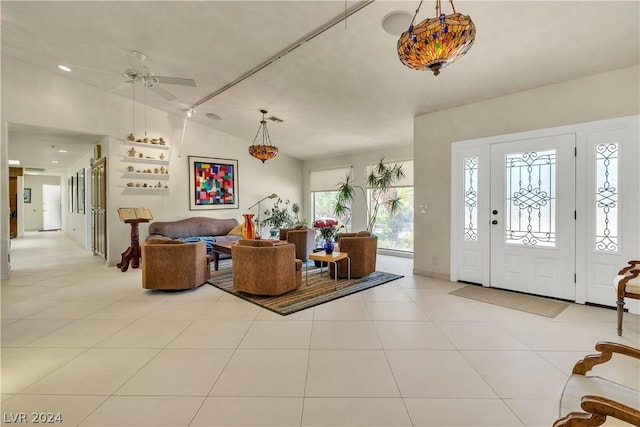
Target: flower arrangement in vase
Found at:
327, 229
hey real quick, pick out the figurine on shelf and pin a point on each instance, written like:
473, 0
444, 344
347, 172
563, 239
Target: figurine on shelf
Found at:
154, 141
139, 155
131, 138
159, 184
161, 156
161, 141
132, 152
145, 140
129, 168
129, 184
162, 170
137, 184
156, 170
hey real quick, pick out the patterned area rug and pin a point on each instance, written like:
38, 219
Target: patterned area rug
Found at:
321, 289
531, 304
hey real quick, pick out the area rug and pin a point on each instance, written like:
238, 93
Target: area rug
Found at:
528, 303
321, 289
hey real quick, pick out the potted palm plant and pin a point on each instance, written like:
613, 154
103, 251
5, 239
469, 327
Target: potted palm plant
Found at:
380, 179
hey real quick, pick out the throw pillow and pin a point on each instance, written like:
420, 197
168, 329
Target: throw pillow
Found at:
235, 231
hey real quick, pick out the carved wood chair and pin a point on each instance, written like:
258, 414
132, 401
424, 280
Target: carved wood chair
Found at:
589, 400
627, 285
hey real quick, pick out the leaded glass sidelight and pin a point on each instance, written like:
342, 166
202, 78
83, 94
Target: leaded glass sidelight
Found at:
530, 205
607, 197
471, 198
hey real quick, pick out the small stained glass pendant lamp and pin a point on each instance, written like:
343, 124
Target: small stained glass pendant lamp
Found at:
436, 42
266, 150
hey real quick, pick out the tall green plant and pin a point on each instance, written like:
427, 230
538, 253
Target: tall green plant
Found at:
380, 179
279, 216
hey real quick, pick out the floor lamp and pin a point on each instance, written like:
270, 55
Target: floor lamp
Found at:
270, 196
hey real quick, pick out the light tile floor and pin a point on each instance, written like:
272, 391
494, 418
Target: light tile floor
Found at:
86, 341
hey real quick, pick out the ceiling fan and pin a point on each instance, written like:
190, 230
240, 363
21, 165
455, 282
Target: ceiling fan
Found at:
139, 72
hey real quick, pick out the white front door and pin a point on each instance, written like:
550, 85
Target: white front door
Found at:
51, 210
561, 217
533, 216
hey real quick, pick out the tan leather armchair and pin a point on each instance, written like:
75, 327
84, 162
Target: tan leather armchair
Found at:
262, 268
362, 249
174, 265
303, 238
588, 400
627, 284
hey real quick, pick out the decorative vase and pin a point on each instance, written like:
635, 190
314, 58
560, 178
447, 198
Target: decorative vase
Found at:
328, 246
248, 229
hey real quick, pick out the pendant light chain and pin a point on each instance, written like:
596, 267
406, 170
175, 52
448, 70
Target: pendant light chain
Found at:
133, 107
145, 110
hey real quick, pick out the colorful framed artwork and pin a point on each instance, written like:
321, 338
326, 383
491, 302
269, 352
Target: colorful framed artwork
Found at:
27, 195
213, 183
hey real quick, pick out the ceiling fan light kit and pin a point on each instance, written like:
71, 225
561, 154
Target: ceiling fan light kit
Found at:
265, 151
436, 42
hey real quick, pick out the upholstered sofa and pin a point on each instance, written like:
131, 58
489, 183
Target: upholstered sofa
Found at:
362, 248
262, 268
196, 229
169, 264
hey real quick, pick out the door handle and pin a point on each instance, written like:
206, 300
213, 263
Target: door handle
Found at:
495, 212
494, 222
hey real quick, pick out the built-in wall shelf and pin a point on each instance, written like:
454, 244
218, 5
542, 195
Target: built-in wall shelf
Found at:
141, 175
145, 144
146, 160
145, 190
145, 167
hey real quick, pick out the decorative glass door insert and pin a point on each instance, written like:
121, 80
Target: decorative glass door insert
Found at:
530, 206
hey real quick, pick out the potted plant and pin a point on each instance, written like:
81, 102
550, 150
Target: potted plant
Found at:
380, 179
278, 217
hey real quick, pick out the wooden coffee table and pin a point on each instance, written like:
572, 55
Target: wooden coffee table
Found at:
220, 248
333, 258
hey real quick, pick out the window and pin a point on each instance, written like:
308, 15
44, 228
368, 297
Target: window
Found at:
607, 197
323, 185
471, 198
395, 231
530, 203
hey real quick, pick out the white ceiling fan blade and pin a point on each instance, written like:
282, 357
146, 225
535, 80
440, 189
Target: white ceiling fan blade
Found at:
163, 92
176, 81
98, 70
121, 86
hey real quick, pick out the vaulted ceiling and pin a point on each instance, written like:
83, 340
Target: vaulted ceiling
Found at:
345, 88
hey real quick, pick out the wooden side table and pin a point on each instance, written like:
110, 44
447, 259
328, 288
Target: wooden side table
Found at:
333, 258
133, 253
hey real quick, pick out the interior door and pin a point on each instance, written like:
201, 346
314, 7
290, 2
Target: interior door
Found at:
533, 216
51, 207
99, 208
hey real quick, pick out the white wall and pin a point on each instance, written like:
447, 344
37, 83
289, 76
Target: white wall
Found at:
602, 96
32, 219
75, 224
42, 98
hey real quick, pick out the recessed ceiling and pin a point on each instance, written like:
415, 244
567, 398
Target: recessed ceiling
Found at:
344, 90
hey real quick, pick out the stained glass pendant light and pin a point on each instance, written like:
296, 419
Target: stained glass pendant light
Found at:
436, 42
266, 151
